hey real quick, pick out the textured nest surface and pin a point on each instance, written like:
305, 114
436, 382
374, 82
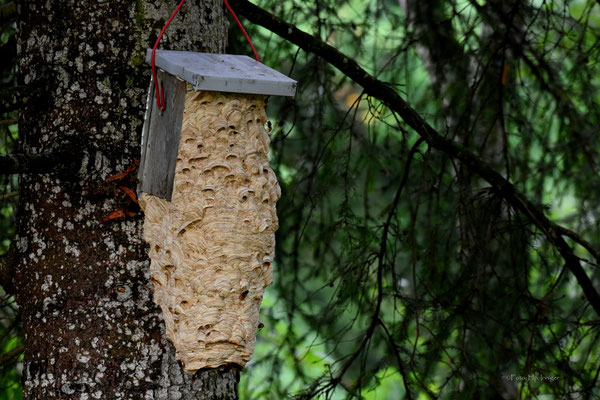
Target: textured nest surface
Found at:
212, 246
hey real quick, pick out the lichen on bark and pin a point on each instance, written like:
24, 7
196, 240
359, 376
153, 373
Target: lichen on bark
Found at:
91, 328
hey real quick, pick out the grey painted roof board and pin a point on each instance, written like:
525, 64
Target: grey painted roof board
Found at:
223, 72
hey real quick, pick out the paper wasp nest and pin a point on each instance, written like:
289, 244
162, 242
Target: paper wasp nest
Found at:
212, 246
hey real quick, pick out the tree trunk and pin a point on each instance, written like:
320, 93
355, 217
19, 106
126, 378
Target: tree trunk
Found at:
91, 328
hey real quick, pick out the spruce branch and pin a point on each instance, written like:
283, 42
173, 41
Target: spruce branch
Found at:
8, 195
389, 96
10, 355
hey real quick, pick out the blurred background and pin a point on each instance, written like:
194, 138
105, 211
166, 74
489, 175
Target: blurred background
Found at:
10, 326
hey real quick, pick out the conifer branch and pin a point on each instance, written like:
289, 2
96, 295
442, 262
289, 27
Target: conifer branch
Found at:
396, 103
11, 355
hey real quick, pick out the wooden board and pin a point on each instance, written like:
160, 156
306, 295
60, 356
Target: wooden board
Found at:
224, 72
160, 138
149, 100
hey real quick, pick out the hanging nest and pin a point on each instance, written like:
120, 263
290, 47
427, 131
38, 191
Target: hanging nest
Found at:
212, 246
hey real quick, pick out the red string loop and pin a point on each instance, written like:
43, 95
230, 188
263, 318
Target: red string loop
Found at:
160, 92
242, 29
160, 99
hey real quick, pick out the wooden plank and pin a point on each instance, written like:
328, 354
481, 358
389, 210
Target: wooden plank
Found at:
224, 72
164, 131
150, 104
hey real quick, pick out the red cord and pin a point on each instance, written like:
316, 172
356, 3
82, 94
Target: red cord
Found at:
242, 28
160, 93
160, 99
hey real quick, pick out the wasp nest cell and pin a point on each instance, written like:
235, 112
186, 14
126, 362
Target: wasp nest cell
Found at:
212, 246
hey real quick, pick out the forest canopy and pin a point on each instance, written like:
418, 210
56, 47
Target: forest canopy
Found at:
439, 220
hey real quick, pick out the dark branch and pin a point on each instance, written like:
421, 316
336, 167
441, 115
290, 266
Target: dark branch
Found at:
375, 319
578, 239
8, 12
36, 163
392, 99
9, 195
12, 325
399, 361
11, 355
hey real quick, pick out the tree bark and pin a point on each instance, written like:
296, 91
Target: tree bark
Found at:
91, 328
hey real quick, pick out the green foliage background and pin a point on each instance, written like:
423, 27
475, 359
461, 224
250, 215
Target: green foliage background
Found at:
473, 302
